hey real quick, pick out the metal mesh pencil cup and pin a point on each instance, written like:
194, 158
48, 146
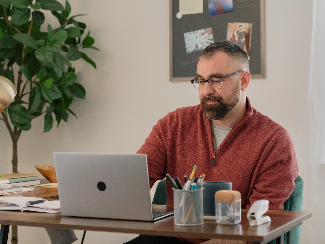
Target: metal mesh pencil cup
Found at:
188, 207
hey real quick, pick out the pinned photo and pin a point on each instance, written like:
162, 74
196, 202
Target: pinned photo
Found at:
217, 7
198, 40
240, 33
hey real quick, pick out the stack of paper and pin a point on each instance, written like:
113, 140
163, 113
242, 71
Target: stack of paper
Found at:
22, 204
20, 179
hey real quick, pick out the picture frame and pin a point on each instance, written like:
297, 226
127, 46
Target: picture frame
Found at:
184, 29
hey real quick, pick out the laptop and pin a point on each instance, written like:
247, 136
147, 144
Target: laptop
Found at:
114, 186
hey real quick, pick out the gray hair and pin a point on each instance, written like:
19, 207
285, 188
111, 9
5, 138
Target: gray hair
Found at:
232, 49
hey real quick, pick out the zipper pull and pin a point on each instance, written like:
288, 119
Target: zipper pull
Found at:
213, 161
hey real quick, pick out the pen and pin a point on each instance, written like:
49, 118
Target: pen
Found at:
193, 172
185, 179
172, 181
34, 202
178, 183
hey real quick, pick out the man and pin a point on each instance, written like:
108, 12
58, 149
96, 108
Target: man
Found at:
242, 37
224, 136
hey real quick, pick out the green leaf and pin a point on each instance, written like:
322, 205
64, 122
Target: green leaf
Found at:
73, 32
59, 16
49, 30
1, 32
48, 122
63, 114
36, 6
77, 90
20, 16
47, 94
67, 91
20, 3
51, 5
88, 60
45, 56
24, 69
63, 59
35, 98
57, 65
71, 112
26, 40
69, 78
73, 53
59, 37
33, 65
67, 7
19, 116
88, 42
58, 120
56, 94
74, 16
7, 41
5, 3
38, 17
41, 42
48, 83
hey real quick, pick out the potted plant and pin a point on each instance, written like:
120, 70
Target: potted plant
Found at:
39, 64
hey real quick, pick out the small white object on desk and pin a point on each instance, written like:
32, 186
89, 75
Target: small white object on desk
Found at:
256, 211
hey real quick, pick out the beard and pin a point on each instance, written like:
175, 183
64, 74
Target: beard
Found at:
219, 109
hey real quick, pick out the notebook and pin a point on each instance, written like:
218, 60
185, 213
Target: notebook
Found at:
114, 186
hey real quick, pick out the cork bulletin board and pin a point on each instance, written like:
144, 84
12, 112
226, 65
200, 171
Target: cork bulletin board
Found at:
194, 24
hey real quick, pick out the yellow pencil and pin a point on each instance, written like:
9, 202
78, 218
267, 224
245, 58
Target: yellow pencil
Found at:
193, 172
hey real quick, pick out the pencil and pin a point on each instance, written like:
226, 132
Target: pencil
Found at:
193, 172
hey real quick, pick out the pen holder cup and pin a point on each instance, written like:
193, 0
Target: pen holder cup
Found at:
188, 207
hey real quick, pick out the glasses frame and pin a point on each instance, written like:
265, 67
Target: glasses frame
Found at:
221, 78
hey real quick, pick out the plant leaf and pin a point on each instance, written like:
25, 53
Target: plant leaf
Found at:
77, 90
73, 32
38, 17
73, 53
51, 5
71, 112
26, 40
48, 83
36, 6
48, 122
20, 16
5, 3
20, 3
88, 42
33, 65
87, 59
63, 59
56, 93
67, 91
47, 94
45, 56
59, 37
1, 32
67, 7
24, 69
35, 98
69, 78
63, 114
20, 116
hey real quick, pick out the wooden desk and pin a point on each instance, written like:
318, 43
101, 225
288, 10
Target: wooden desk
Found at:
282, 222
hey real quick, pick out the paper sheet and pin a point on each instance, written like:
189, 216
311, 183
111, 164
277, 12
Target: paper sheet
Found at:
190, 6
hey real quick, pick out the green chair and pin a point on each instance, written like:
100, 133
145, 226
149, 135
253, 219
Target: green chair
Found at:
293, 203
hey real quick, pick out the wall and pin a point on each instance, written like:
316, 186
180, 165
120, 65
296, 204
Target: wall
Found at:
130, 90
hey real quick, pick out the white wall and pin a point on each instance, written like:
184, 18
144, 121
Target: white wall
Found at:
130, 90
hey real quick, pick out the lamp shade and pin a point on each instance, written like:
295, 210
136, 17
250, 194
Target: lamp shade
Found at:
7, 92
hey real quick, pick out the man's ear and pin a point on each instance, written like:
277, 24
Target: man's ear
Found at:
245, 78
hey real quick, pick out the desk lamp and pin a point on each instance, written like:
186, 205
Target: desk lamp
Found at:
7, 92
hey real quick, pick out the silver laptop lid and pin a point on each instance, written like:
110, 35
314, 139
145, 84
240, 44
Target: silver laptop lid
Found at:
103, 185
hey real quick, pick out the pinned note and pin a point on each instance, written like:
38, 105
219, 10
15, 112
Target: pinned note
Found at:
190, 6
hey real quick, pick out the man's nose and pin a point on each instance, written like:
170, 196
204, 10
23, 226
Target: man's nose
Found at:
207, 89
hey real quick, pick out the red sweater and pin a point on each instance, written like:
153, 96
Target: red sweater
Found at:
257, 156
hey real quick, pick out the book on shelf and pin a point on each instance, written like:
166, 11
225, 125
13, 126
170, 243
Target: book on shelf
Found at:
29, 204
18, 177
26, 183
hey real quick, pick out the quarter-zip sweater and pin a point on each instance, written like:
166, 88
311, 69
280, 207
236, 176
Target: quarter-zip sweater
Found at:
257, 155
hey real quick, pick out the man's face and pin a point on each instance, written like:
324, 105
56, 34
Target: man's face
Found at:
217, 103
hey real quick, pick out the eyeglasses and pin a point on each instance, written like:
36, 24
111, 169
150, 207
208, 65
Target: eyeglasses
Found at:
215, 82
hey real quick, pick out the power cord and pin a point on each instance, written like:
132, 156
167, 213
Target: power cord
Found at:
83, 237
